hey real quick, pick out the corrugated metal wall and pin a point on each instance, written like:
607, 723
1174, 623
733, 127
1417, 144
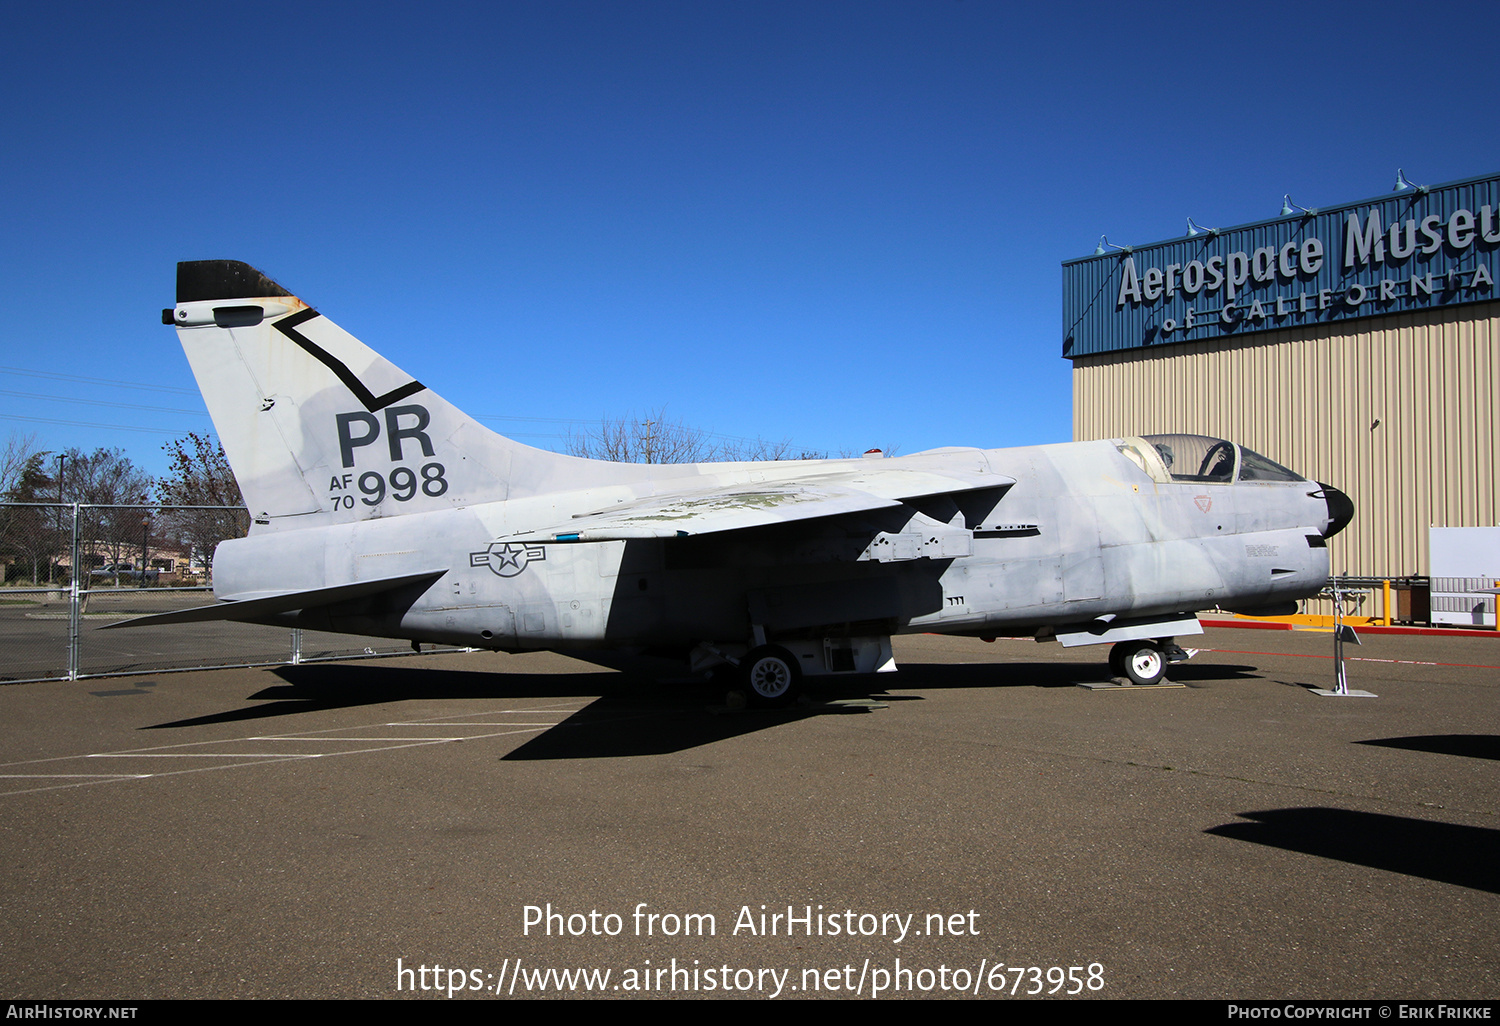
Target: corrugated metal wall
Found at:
1400, 412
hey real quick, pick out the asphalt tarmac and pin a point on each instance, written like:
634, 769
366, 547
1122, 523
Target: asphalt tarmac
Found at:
975, 824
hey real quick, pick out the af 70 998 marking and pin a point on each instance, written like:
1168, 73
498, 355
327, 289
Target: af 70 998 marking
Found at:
374, 486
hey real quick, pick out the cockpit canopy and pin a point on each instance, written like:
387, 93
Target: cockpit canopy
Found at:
1199, 458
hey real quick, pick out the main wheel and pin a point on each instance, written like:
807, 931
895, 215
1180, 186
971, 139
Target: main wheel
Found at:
1117, 658
1144, 662
771, 676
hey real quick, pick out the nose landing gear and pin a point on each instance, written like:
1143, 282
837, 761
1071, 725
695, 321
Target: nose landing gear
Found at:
1145, 661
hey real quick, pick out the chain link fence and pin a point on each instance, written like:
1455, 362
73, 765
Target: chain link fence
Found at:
71, 568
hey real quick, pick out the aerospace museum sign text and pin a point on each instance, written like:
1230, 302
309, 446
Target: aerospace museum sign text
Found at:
1413, 250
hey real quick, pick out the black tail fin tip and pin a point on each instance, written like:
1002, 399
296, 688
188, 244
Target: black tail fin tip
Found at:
199, 280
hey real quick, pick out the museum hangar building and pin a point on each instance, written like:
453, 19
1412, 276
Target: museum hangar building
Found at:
1358, 345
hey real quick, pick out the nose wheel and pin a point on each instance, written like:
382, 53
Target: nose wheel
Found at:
1141, 662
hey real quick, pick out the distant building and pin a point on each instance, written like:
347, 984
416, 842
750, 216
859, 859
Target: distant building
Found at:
1357, 344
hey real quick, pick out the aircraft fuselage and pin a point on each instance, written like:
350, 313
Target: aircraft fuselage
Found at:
1083, 533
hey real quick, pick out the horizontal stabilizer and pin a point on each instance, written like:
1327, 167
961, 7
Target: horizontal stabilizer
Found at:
285, 602
757, 505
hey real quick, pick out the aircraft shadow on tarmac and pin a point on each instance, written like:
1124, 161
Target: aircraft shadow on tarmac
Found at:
310, 688
616, 727
1050, 674
1462, 855
661, 717
679, 719
629, 716
1471, 746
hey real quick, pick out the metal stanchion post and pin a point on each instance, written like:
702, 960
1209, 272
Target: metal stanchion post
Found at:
1342, 632
74, 601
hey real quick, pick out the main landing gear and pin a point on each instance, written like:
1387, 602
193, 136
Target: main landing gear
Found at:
772, 677
1145, 661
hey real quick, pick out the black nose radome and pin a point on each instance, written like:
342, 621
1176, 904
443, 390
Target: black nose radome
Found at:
1340, 509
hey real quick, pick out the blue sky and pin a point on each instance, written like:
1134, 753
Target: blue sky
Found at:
836, 223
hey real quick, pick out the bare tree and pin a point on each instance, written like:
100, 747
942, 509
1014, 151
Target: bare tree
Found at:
653, 438
199, 475
744, 450
642, 439
28, 533
108, 478
18, 453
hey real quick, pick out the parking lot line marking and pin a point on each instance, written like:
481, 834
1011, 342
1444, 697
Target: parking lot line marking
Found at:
461, 737
200, 755
502, 723
174, 751
1361, 659
55, 776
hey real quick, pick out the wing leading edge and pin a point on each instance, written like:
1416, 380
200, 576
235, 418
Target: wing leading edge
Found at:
738, 507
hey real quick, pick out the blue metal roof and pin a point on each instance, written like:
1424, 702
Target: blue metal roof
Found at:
1416, 249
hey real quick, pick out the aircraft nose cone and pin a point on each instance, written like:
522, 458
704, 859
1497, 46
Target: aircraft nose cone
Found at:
1340, 509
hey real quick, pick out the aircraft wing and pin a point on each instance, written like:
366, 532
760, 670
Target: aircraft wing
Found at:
737, 507
280, 602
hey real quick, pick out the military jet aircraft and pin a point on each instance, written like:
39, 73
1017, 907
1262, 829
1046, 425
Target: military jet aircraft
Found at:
380, 509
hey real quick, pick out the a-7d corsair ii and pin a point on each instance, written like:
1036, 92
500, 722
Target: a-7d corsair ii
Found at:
380, 509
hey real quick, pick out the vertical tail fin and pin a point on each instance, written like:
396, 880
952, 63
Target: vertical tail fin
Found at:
321, 429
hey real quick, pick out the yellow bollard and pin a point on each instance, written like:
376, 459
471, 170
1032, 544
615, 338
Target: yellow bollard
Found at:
1385, 595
